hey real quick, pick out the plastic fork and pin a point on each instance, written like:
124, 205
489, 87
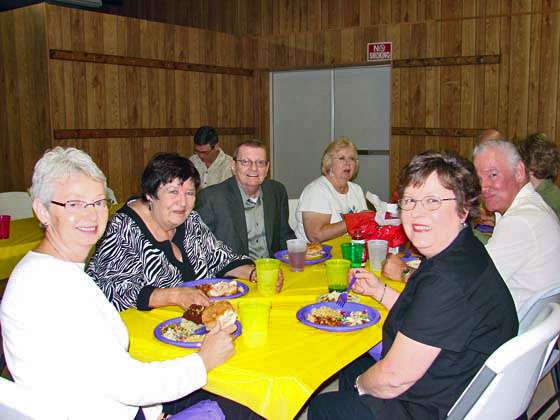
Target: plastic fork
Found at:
343, 298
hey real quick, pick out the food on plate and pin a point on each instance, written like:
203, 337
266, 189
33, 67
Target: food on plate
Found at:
182, 331
314, 250
194, 313
220, 288
337, 317
333, 297
220, 311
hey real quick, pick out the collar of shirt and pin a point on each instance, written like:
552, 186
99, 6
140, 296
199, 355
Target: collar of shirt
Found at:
250, 202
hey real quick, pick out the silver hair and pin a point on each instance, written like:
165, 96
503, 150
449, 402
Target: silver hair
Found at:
509, 149
58, 164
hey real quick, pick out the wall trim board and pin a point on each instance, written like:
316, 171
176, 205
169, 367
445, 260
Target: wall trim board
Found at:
439, 132
447, 61
109, 133
407, 62
119, 60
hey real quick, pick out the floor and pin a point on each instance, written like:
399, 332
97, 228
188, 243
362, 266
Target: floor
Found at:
543, 392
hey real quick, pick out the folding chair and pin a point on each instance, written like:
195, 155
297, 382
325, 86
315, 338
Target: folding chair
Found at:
504, 386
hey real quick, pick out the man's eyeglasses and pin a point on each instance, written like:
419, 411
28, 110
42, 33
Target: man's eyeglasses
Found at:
430, 202
77, 205
248, 163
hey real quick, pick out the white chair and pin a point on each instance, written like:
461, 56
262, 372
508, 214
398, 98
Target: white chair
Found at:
292, 206
17, 204
504, 386
20, 403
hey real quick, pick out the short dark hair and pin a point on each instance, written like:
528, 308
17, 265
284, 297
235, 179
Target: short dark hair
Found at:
206, 135
164, 168
249, 143
540, 155
454, 172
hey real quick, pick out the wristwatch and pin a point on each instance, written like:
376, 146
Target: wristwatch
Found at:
357, 386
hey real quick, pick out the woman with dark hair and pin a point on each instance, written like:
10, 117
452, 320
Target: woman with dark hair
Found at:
156, 242
542, 160
454, 311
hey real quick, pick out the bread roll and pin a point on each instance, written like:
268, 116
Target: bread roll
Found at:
222, 311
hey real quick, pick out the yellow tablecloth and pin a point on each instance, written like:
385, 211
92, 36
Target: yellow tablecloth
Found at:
276, 379
25, 234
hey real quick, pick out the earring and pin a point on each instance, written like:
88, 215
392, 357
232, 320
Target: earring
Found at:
149, 205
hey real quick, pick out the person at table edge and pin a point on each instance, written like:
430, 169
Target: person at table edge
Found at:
454, 311
61, 336
542, 160
212, 164
156, 242
325, 200
248, 212
525, 243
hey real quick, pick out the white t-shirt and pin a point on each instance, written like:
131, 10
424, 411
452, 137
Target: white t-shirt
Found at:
63, 338
525, 246
320, 196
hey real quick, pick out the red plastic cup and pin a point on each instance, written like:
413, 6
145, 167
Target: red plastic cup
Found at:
5, 226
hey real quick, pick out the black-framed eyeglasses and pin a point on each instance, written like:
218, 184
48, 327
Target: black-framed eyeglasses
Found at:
430, 202
77, 205
248, 163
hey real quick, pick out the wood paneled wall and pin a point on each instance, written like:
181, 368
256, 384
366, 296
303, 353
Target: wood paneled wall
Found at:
98, 97
24, 106
519, 95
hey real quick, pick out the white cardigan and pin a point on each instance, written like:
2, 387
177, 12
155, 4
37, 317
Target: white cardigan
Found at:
63, 337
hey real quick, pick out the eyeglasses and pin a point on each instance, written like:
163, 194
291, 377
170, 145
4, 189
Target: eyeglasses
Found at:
430, 202
247, 163
77, 205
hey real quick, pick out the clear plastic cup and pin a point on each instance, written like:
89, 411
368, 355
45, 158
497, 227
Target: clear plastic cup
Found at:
267, 275
377, 250
297, 248
255, 317
337, 274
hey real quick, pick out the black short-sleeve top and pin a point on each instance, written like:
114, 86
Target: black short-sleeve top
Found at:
458, 302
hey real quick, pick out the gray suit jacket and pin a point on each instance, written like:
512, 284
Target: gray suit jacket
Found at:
221, 208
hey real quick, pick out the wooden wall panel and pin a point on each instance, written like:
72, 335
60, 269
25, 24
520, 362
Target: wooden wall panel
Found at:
518, 95
89, 95
24, 106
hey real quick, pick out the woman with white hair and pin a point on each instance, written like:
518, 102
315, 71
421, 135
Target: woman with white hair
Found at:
61, 335
326, 199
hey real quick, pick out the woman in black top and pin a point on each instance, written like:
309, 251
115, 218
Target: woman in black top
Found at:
454, 311
156, 242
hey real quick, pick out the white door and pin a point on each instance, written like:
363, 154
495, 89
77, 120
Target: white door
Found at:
312, 107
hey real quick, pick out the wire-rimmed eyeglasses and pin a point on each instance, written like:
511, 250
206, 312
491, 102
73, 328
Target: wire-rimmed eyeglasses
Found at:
77, 205
248, 163
430, 202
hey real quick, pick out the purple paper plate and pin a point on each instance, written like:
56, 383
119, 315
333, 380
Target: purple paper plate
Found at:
244, 288
349, 307
189, 345
283, 256
485, 228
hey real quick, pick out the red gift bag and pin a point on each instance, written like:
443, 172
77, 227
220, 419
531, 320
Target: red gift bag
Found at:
363, 226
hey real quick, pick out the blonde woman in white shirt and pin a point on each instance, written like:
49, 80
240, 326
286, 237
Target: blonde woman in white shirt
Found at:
61, 335
326, 199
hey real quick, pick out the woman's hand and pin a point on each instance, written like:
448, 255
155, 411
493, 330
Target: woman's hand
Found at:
217, 346
366, 283
393, 267
187, 296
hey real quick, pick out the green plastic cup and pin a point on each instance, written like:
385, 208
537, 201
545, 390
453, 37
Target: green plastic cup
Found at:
346, 251
353, 252
337, 274
267, 275
254, 316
